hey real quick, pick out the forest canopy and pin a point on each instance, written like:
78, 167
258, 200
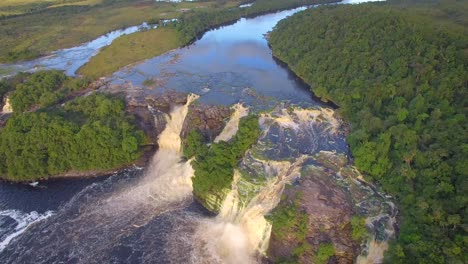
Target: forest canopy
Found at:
42, 89
214, 165
400, 76
87, 133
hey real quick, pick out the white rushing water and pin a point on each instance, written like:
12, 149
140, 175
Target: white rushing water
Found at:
7, 107
240, 233
167, 179
21, 221
233, 124
89, 232
237, 235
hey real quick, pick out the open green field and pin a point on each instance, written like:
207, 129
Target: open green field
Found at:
30, 35
19, 7
131, 48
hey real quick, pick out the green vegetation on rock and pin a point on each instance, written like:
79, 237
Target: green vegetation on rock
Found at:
214, 165
359, 229
400, 76
43, 89
87, 133
290, 223
8, 85
324, 252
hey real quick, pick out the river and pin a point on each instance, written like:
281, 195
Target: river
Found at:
71, 59
106, 219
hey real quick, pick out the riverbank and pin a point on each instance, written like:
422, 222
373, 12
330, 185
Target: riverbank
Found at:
32, 35
188, 28
130, 49
142, 162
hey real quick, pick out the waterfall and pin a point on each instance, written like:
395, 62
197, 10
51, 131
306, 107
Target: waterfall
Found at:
7, 106
239, 233
233, 124
100, 218
167, 179
169, 139
230, 205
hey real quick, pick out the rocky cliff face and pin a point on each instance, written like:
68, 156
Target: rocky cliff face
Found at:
332, 192
151, 112
329, 209
209, 120
151, 108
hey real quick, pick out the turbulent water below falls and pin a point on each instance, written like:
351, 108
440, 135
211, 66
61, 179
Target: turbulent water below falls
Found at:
93, 230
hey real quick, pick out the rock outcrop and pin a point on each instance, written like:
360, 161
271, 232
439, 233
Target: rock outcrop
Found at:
329, 208
209, 120
331, 191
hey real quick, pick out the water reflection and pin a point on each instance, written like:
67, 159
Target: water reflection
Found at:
227, 65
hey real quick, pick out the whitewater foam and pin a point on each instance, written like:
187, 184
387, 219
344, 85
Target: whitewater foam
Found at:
233, 124
23, 221
239, 234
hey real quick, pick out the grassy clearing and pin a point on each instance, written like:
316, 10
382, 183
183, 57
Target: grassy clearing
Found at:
28, 36
20, 7
129, 49
78, 3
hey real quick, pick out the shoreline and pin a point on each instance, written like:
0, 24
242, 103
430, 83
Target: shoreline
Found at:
197, 37
142, 162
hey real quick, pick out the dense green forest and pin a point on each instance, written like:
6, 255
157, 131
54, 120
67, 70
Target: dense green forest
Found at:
214, 165
400, 76
8, 85
42, 89
87, 133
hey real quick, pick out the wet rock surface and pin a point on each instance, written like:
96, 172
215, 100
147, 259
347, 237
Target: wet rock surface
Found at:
329, 208
209, 120
331, 191
152, 110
